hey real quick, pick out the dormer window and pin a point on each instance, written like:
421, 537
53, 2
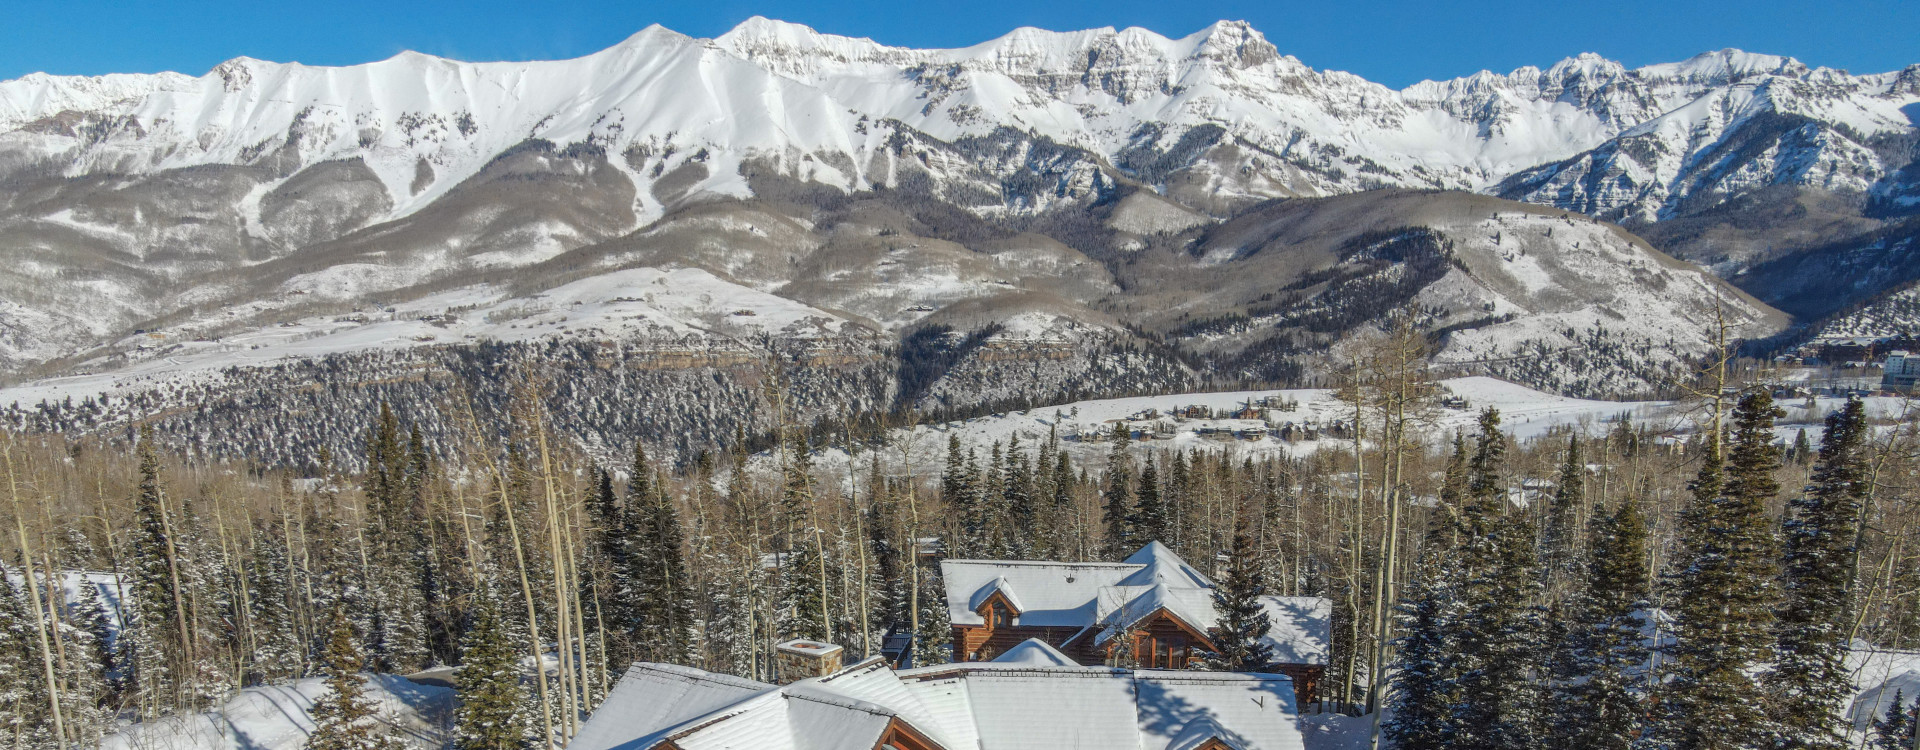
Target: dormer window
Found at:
998, 616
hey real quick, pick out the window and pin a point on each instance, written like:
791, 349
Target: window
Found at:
998, 616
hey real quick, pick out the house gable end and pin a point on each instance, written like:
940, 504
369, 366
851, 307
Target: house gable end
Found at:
900, 735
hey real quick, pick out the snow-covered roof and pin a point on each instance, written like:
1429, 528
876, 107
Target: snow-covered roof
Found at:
1034, 652
1192, 606
1302, 630
998, 585
1161, 565
1098, 707
660, 696
1113, 597
1051, 594
957, 706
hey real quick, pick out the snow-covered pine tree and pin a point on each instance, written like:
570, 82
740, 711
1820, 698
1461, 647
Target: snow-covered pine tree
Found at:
1559, 540
1149, 522
803, 606
155, 622
23, 695
1498, 632
1239, 638
1426, 671
90, 614
1601, 680
1722, 593
956, 493
493, 703
1060, 507
667, 616
933, 643
1117, 499
83, 691
1809, 675
995, 533
1894, 730
276, 645
803, 602
1019, 490
345, 718
1177, 496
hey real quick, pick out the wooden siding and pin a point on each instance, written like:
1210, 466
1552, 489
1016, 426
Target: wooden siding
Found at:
1162, 642
899, 736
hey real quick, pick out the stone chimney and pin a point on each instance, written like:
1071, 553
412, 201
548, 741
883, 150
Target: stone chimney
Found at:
800, 659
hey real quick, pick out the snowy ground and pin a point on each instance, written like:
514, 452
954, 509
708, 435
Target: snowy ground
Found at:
1525, 413
280, 717
616, 305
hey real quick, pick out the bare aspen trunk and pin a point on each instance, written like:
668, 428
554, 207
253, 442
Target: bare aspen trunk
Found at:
33, 593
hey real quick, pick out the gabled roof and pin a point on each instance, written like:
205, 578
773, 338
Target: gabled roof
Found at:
1193, 607
697, 710
1199, 732
1109, 598
998, 585
1050, 594
956, 707
1099, 708
660, 696
1161, 565
1034, 652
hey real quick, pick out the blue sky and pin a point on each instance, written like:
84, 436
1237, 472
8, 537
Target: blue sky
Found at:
1395, 43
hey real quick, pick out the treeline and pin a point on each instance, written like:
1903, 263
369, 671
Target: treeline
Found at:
1491, 588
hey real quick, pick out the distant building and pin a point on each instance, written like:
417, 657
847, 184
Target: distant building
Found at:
1033, 698
1153, 610
1902, 372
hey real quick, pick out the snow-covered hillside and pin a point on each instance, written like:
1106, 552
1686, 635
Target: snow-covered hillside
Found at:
280, 717
130, 201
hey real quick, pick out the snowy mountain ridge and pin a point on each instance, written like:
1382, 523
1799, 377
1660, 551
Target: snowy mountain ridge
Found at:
1048, 191
772, 88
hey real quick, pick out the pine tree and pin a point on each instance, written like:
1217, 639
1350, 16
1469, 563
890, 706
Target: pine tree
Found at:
994, 518
345, 718
959, 492
1498, 633
154, 631
277, 649
803, 602
1559, 543
1723, 594
933, 643
604, 574
24, 708
1020, 540
804, 609
1149, 522
1061, 515
1809, 677
1426, 662
91, 616
1238, 640
1117, 506
1895, 730
1599, 685
667, 615
1178, 499
492, 713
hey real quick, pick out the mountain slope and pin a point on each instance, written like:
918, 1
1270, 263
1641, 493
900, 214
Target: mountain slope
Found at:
1040, 216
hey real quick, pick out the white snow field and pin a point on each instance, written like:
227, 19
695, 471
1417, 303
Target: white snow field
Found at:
279, 717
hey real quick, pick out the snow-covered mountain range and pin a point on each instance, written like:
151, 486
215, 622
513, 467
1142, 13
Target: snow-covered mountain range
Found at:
1050, 186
